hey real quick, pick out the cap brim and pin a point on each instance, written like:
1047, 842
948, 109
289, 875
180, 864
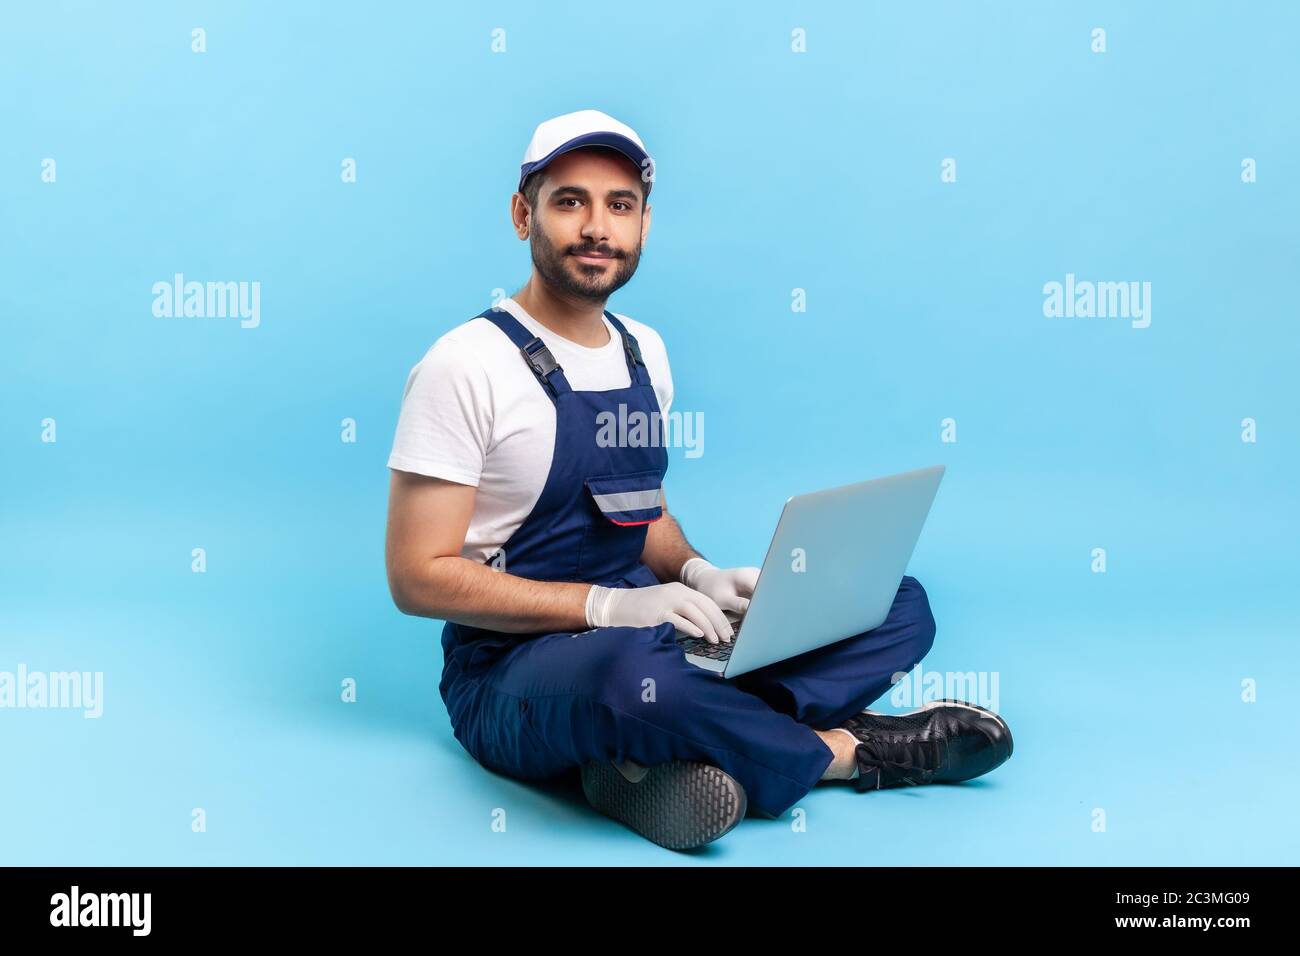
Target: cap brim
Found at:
610, 140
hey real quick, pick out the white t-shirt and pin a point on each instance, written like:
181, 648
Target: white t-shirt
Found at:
473, 412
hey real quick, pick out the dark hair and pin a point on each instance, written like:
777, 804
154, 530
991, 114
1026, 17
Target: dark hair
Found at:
533, 184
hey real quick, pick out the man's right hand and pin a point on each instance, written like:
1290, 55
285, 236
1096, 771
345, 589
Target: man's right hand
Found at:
690, 611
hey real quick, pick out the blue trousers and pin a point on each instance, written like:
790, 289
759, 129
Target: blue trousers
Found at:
616, 693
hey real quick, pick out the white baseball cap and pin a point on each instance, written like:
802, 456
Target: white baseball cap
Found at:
583, 128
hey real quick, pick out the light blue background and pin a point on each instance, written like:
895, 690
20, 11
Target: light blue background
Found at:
775, 171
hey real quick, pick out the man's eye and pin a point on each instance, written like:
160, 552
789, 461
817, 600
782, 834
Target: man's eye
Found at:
569, 199
621, 203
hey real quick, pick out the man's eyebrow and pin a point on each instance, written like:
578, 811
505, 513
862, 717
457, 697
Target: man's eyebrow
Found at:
581, 191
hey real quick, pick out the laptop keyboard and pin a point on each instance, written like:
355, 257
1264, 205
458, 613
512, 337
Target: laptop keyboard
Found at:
698, 646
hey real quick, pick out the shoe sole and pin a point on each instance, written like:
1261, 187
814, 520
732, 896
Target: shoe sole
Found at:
679, 805
950, 702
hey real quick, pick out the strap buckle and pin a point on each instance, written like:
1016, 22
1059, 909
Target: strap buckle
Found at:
539, 358
633, 349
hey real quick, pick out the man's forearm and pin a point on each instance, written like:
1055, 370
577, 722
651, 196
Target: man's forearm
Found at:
666, 548
456, 589
453, 588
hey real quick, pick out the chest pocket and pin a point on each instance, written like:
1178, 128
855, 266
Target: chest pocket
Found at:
628, 500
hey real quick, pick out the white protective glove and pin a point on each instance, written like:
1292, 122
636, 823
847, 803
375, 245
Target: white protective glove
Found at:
690, 611
730, 588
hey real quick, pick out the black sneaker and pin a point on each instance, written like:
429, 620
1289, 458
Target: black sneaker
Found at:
946, 741
679, 805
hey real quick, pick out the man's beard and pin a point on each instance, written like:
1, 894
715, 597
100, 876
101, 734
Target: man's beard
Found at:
593, 283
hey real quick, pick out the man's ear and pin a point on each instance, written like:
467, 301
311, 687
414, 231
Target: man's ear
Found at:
520, 215
645, 222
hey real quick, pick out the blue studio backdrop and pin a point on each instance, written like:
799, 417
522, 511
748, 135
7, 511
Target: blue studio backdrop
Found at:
1051, 246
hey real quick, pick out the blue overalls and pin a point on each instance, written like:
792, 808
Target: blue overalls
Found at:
532, 706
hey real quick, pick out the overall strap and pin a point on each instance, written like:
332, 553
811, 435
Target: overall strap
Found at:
534, 350
635, 364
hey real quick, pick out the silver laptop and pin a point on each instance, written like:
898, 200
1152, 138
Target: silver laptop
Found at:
831, 571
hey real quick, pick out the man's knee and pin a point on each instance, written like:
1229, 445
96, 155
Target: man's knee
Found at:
918, 617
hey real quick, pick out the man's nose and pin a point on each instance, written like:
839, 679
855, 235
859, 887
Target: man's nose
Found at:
597, 225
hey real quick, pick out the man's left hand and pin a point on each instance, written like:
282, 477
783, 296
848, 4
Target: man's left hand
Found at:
730, 588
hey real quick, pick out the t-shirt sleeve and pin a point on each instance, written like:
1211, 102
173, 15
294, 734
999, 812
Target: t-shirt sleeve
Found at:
445, 425
656, 357
665, 390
